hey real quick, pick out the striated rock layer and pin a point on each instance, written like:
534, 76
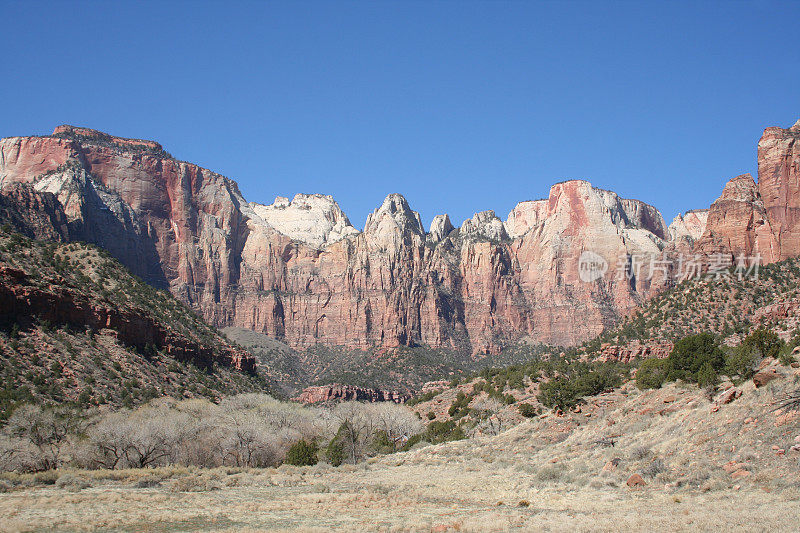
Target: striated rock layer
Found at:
299, 271
764, 218
329, 393
779, 185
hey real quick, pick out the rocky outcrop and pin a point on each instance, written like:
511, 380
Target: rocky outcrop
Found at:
300, 272
779, 185
56, 302
314, 219
763, 219
688, 227
36, 215
525, 216
738, 224
635, 349
440, 228
335, 393
484, 225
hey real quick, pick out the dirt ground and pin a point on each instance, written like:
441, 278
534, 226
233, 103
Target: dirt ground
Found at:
451, 496
705, 465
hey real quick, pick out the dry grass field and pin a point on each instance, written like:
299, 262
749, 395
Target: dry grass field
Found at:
706, 466
453, 495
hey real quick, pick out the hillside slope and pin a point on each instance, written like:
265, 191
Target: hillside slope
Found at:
663, 460
729, 306
78, 327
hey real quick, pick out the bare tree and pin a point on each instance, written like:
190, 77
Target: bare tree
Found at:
46, 429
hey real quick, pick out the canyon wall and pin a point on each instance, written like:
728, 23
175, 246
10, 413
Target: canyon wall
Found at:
300, 271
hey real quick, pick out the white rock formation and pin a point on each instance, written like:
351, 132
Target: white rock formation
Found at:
393, 223
690, 225
314, 219
440, 228
484, 225
525, 216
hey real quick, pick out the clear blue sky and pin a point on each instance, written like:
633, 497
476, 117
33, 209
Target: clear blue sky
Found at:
459, 106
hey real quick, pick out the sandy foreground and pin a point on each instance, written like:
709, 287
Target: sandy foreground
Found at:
420, 497
705, 466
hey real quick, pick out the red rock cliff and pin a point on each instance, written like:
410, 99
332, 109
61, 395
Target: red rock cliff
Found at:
297, 270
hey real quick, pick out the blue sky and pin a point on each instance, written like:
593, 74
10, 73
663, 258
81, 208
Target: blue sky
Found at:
459, 106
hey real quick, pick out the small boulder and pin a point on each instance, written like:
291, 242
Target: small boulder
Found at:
733, 466
611, 465
635, 481
762, 378
740, 474
728, 396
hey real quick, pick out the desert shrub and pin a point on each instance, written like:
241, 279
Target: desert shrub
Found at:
527, 410
72, 482
558, 392
148, 482
640, 452
655, 467
335, 452
741, 361
460, 405
765, 341
694, 358
424, 397
651, 373
382, 442
571, 379
707, 376
550, 473
302, 453
438, 432
48, 477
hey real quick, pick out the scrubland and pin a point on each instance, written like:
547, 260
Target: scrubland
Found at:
704, 464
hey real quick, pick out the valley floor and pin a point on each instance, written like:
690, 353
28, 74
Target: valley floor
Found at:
403, 498
721, 464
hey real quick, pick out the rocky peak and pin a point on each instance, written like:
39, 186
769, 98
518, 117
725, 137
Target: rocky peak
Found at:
484, 225
580, 201
314, 219
742, 188
688, 226
796, 126
738, 223
525, 216
440, 228
394, 222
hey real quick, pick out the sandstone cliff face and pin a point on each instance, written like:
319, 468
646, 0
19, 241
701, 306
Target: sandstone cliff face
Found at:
580, 218
34, 214
314, 219
329, 393
779, 185
738, 224
300, 272
763, 218
689, 227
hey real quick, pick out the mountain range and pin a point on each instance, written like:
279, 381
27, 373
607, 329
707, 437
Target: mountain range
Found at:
298, 271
